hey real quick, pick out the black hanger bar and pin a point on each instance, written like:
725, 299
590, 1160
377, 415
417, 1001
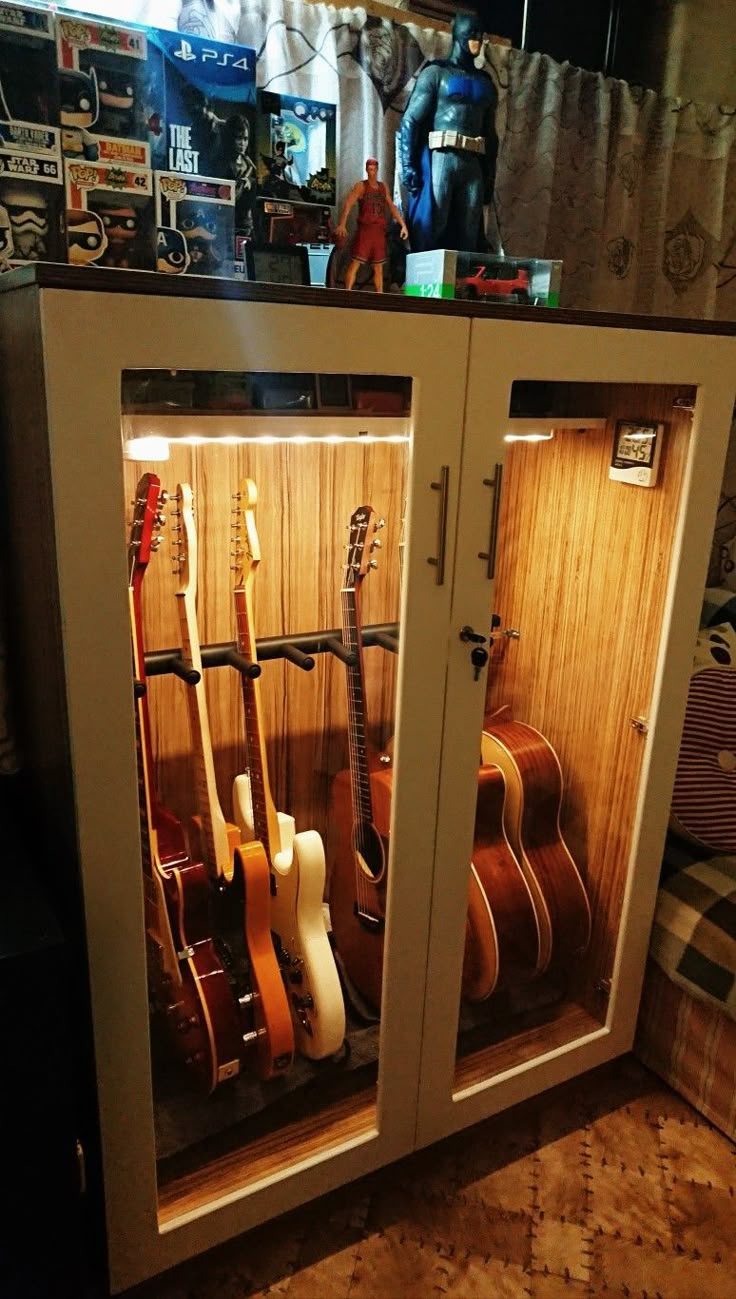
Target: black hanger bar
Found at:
298, 649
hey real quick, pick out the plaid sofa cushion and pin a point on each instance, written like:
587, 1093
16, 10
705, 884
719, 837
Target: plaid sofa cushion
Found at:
694, 934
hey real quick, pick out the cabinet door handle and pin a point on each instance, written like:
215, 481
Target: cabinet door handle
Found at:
490, 554
438, 560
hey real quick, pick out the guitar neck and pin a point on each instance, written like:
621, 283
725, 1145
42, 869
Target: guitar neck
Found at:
357, 738
265, 818
144, 752
214, 827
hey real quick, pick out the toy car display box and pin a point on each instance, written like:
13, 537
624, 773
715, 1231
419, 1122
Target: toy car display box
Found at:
110, 218
210, 97
195, 225
31, 209
483, 277
296, 148
29, 88
111, 93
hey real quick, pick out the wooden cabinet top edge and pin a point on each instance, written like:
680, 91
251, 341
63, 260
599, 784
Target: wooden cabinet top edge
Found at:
52, 275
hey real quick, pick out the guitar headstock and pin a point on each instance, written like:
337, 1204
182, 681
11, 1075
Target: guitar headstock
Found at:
148, 517
363, 527
245, 550
184, 540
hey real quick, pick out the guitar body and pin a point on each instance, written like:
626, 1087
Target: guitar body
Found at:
274, 1041
506, 892
359, 941
531, 822
297, 919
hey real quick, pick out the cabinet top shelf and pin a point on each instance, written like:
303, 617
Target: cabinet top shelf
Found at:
52, 275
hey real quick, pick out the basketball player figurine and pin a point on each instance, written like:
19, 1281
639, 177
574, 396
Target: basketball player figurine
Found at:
369, 244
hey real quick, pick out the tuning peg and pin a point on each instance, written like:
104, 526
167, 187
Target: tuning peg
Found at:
377, 544
156, 542
381, 523
160, 520
175, 497
373, 563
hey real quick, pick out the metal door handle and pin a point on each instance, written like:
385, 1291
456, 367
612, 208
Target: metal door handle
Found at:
490, 554
438, 560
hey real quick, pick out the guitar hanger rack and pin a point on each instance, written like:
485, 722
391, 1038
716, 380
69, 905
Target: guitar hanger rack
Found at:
298, 649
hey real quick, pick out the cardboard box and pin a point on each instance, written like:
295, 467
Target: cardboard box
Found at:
210, 97
29, 89
111, 92
297, 157
110, 217
31, 209
195, 217
483, 277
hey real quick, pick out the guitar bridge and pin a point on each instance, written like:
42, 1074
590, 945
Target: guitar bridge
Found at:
374, 924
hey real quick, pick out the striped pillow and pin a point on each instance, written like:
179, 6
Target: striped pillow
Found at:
704, 798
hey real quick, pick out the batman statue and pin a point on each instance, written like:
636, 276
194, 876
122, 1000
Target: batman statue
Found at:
448, 146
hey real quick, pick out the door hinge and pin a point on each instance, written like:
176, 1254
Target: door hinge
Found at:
603, 987
639, 724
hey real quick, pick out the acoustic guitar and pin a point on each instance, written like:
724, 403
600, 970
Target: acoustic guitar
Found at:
239, 869
531, 822
360, 804
188, 981
297, 861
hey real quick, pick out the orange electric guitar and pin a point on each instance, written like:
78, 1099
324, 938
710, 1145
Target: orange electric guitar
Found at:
239, 869
187, 978
531, 822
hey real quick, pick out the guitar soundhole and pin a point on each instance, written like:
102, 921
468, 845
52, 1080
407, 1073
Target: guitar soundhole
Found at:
368, 849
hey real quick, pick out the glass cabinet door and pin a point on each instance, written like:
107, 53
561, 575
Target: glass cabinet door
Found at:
574, 476
284, 488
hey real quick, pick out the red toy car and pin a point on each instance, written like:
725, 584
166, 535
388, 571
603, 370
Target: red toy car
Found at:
485, 282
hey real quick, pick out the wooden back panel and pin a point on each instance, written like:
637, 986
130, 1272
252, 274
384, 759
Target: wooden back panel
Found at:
306, 494
582, 572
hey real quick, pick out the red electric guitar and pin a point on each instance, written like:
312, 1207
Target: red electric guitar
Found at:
187, 979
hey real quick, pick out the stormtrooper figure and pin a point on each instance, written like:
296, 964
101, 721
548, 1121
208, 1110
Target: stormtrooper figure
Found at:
448, 146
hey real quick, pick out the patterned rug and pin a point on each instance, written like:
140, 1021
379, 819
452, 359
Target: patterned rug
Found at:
610, 1185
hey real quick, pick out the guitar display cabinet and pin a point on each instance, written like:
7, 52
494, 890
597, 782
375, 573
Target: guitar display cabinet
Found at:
484, 439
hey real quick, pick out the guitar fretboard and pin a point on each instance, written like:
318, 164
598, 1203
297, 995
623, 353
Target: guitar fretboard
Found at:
265, 823
357, 739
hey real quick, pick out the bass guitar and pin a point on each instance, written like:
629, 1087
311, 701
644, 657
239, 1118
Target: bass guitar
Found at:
240, 870
531, 822
188, 980
297, 861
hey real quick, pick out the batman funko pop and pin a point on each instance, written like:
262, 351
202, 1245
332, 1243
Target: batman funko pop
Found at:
448, 146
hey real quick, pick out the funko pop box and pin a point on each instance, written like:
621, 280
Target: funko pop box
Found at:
31, 209
111, 93
110, 219
201, 210
29, 98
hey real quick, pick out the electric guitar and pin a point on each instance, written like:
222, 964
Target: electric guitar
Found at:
360, 808
188, 980
297, 861
531, 822
239, 870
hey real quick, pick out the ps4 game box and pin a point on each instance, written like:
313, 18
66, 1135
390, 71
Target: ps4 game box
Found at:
210, 96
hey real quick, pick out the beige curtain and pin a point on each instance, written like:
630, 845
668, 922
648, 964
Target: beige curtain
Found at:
636, 193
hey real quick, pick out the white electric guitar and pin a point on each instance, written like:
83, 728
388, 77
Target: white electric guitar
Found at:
297, 861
